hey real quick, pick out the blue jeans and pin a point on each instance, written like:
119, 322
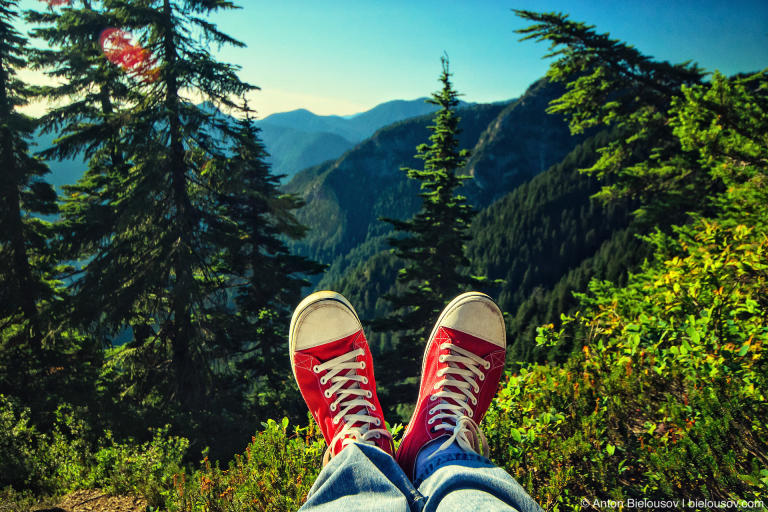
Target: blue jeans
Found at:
364, 478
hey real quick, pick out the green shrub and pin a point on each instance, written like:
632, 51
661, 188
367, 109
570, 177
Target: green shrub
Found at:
274, 474
667, 398
65, 460
18, 464
146, 469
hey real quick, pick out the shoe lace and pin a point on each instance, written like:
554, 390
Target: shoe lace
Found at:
455, 407
351, 401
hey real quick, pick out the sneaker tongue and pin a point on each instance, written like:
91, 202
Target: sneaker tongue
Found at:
336, 348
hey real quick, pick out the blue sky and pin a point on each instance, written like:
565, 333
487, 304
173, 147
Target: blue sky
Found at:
345, 56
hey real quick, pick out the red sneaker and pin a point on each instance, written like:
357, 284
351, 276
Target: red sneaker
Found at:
334, 370
460, 373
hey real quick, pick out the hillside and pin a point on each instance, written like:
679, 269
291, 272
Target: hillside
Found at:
344, 198
291, 150
540, 236
545, 240
342, 212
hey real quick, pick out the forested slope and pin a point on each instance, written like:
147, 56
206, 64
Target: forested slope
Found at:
345, 198
545, 234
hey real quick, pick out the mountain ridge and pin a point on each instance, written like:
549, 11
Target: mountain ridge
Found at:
343, 213
295, 140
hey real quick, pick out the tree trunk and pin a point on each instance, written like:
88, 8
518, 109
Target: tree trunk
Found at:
182, 291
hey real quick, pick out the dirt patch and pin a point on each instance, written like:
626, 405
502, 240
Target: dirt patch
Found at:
96, 500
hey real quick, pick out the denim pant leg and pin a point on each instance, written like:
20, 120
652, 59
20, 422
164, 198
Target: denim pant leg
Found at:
362, 478
462, 482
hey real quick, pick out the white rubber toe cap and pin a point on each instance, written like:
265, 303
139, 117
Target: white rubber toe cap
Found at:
321, 318
477, 314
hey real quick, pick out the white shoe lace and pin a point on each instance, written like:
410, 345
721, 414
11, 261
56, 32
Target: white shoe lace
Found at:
454, 407
346, 387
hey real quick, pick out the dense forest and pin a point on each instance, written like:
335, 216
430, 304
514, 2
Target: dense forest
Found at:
616, 211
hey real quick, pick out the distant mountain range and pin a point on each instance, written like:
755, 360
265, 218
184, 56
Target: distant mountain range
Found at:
299, 139
295, 140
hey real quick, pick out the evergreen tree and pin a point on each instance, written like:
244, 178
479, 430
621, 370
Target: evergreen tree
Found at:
176, 212
41, 361
92, 108
431, 244
23, 192
253, 220
611, 83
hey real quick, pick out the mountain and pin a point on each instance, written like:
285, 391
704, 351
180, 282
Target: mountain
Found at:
345, 198
291, 150
519, 144
544, 239
354, 128
299, 139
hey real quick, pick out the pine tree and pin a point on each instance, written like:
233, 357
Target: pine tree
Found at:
176, 200
254, 219
89, 121
431, 244
39, 356
612, 84
22, 192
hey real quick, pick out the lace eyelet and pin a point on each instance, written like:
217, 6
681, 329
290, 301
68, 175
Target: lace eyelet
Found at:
441, 359
323, 380
333, 407
316, 369
482, 377
327, 393
474, 401
365, 380
362, 365
435, 386
432, 397
372, 408
369, 394
487, 364
471, 413
377, 436
335, 421
430, 421
378, 422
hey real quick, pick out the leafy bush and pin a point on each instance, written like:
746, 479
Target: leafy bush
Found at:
667, 397
17, 439
274, 474
65, 459
148, 469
